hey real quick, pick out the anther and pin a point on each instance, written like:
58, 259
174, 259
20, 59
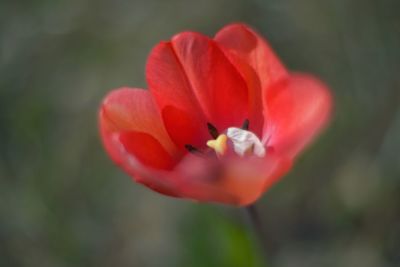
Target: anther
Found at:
193, 149
219, 144
245, 125
212, 130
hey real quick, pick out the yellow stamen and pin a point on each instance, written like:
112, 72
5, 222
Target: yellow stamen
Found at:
219, 144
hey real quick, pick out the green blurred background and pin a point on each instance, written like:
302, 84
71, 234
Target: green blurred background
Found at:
63, 203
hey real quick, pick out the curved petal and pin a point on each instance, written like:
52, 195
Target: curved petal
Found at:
129, 109
145, 167
182, 115
189, 179
128, 117
256, 117
234, 181
146, 149
245, 43
298, 109
219, 89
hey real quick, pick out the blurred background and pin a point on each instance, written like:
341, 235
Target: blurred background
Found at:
63, 202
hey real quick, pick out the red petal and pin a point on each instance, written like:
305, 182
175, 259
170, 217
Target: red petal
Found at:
146, 149
256, 117
129, 117
236, 181
219, 88
146, 167
183, 118
245, 43
183, 129
127, 109
298, 108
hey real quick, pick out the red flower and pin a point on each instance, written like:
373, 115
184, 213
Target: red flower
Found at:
222, 120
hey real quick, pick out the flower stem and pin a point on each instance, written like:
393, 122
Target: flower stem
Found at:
254, 221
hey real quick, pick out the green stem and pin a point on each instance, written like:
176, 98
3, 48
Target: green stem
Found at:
254, 220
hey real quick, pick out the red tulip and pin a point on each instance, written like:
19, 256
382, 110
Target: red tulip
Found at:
222, 120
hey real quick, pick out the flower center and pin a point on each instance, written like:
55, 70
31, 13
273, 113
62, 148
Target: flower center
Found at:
240, 141
245, 142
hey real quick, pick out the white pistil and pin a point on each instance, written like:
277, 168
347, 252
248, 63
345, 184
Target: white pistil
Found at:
245, 142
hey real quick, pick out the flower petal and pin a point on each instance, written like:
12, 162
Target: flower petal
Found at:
182, 115
144, 166
128, 109
146, 149
298, 109
129, 117
236, 181
245, 43
219, 89
183, 129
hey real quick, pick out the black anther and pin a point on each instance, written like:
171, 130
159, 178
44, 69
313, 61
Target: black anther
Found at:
212, 130
193, 149
245, 125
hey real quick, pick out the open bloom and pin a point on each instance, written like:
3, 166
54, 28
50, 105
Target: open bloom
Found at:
222, 120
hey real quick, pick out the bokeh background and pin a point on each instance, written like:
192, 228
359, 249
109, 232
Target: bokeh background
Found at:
63, 203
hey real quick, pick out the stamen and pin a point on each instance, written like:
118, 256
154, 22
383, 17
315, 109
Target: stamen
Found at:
212, 130
245, 125
193, 149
